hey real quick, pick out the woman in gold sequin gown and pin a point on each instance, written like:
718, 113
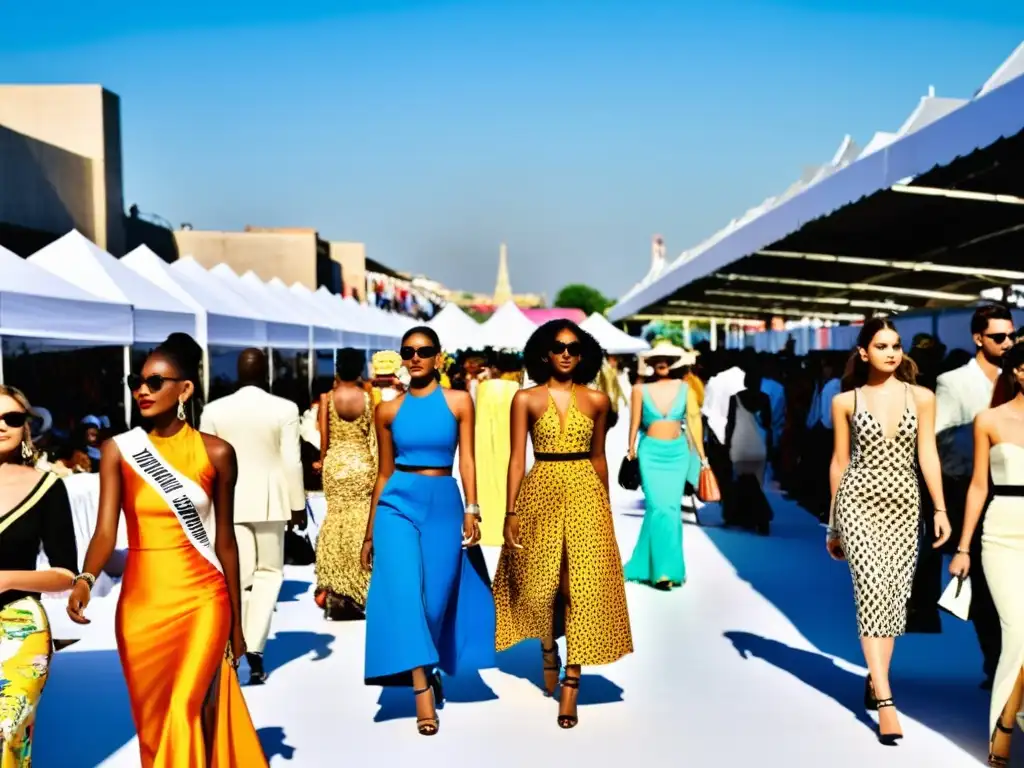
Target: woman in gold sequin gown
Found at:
560, 571
348, 451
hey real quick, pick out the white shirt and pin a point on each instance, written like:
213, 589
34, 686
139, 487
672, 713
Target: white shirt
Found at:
717, 393
960, 396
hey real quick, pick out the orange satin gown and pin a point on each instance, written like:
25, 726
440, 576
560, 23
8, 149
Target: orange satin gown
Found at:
173, 626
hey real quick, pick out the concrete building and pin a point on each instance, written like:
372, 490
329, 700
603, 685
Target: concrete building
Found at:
293, 255
351, 258
60, 166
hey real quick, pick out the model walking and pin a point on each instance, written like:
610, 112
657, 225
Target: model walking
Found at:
348, 461
876, 503
560, 569
999, 446
35, 513
671, 452
428, 606
179, 618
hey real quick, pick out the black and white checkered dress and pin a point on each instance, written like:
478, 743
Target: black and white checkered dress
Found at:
877, 516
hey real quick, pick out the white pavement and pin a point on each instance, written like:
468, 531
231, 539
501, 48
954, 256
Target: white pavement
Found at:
754, 661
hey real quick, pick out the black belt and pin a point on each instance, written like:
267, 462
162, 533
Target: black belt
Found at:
561, 456
1008, 490
412, 469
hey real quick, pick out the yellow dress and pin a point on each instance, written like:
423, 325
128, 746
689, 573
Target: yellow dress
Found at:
492, 443
563, 507
349, 473
173, 625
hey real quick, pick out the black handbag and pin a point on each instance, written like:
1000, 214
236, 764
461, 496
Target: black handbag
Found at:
629, 473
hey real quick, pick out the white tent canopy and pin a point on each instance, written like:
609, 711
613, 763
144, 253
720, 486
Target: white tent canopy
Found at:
37, 304
280, 334
372, 318
223, 319
611, 339
456, 329
326, 335
156, 315
351, 333
507, 328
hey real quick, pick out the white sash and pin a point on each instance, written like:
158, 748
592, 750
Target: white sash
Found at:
184, 497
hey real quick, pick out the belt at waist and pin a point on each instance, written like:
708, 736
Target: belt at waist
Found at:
561, 456
419, 470
1008, 490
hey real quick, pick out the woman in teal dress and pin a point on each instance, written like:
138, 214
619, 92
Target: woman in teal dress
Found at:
666, 418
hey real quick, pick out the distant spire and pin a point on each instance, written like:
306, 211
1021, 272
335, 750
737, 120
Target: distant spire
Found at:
503, 288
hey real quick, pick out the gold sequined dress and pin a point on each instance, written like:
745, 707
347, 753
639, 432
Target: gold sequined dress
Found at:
349, 473
563, 507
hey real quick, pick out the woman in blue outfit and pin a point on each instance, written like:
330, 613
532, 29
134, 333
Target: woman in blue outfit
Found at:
665, 409
429, 604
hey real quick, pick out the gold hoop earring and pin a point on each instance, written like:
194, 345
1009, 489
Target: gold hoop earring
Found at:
181, 410
26, 450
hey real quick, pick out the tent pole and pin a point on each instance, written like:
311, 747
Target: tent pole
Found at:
1, 359
127, 390
270, 368
310, 365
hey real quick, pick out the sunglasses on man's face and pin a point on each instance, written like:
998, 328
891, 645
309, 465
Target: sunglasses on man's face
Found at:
423, 353
999, 338
573, 348
153, 383
14, 419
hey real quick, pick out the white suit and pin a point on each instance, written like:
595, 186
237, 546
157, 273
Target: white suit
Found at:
264, 431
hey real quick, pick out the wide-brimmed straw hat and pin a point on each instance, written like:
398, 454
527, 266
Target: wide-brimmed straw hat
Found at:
665, 350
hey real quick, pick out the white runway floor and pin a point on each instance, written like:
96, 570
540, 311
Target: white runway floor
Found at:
753, 662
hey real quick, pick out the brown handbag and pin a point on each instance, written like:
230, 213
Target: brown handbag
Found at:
707, 486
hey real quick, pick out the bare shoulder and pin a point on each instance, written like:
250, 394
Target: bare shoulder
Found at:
988, 417
922, 395
458, 400
220, 451
386, 410
595, 398
844, 401
109, 450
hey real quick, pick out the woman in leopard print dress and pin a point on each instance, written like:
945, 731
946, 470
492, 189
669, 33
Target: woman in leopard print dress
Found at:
876, 507
560, 569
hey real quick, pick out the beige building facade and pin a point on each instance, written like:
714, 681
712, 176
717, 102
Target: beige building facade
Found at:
61, 164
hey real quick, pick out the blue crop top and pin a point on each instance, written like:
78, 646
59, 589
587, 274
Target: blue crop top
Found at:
425, 431
676, 412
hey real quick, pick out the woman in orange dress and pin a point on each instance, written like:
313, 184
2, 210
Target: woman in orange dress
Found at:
178, 619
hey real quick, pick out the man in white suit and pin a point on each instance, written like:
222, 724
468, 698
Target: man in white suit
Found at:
269, 494
960, 395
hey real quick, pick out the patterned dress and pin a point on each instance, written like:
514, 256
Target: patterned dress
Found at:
349, 473
877, 516
563, 509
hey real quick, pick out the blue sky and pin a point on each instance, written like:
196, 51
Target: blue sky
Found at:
573, 130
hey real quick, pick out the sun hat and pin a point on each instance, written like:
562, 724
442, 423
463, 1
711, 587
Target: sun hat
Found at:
665, 349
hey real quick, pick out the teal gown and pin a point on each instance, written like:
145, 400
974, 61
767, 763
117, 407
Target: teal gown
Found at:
665, 467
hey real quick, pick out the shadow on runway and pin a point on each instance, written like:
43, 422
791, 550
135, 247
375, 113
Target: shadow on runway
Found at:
935, 677
75, 738
292, 590
286, 647
274, 745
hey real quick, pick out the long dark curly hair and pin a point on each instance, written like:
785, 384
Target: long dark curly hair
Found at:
535, 354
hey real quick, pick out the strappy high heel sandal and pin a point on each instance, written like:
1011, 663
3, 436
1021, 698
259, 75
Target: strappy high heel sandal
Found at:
870, 702
887, 739
566, 722
994, 759
549, 690
429, 726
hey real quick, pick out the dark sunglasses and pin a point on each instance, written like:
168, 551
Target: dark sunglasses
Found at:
14, 419
999, 338
574, 348
423, 353
153, 383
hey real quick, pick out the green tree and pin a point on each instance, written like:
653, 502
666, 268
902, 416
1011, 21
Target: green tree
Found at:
583, 297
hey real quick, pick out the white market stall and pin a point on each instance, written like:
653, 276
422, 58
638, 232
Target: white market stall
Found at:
611, 339
457, 330
507, 328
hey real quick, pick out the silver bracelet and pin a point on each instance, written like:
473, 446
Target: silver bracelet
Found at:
88, 578
474, 510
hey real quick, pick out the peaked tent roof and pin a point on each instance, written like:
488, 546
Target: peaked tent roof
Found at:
35, 303
326, 334
223, 320
75, 258
613, 340
507, 328
283, 332
456, 329
350, 334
